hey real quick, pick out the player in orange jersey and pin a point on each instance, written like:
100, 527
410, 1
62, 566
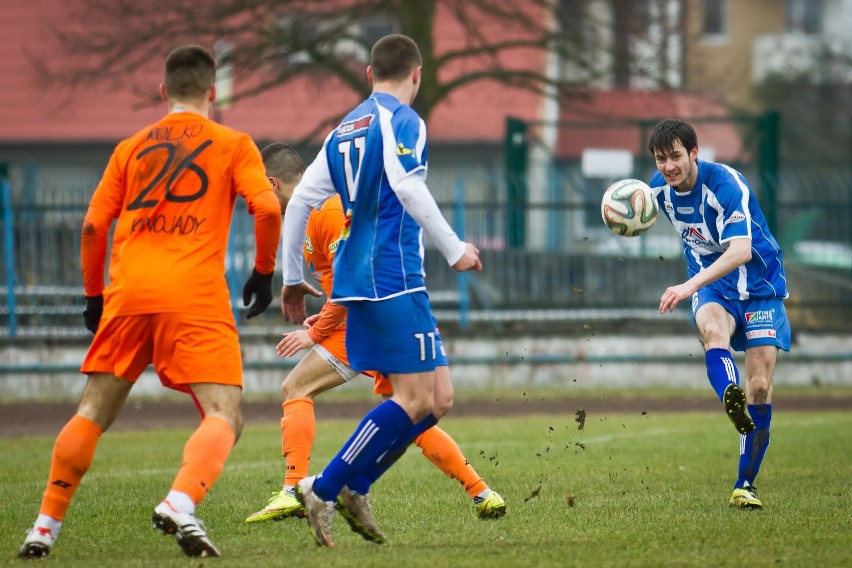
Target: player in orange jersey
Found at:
325, 366
171, 188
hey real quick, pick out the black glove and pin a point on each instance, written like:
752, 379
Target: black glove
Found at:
92, 313
260, 286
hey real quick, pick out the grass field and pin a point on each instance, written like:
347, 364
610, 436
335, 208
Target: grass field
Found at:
628, 490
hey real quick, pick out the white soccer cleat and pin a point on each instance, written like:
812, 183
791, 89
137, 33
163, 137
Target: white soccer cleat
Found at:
188, 531
38, 543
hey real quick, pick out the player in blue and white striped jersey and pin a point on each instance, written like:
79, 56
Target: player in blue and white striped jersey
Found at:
736, 282
376, 161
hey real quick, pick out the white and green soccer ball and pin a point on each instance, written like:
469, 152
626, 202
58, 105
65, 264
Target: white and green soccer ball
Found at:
628, 207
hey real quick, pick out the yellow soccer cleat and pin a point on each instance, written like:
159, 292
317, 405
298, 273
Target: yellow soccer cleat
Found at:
491, 507
280, 506
745, 498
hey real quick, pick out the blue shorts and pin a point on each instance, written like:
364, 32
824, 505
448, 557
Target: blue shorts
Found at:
759, 321
398, 335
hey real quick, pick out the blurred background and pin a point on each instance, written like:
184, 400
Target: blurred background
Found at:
533, 108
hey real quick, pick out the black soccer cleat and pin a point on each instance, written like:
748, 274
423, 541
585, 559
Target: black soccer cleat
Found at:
735, 407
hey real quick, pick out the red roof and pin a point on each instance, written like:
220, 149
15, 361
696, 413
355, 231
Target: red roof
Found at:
33, 113
624, 108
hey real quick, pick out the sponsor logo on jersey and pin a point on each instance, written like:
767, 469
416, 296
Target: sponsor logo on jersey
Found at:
351, 126
686, 210
735, 217
755, 333
761, 316
693, 237
309, 246
401, 150
332, 248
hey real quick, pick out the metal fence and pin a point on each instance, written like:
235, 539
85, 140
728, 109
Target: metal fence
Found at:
575, 270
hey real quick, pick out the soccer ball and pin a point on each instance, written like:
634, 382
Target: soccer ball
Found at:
628, 207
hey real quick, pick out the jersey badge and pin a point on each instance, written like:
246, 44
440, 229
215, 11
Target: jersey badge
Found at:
347, 224
403, 151
735, 217
351, 126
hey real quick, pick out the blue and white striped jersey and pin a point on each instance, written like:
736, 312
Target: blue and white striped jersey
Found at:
721, 207
376, 145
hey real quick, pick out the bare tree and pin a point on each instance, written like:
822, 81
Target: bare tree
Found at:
272, 42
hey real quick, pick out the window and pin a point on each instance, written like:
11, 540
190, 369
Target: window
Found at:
714, 17
336, 36
372, 29
804, 16
376, 27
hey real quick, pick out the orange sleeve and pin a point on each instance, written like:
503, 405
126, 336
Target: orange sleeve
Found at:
93, 250
331, 316
251, 182
267, 230
104, 206
327, 227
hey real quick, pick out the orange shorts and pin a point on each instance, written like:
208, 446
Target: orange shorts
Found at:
184, 349
336, 345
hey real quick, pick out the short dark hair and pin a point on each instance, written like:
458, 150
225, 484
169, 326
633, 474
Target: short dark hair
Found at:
190, 72
668, 131
282, 162
393, 57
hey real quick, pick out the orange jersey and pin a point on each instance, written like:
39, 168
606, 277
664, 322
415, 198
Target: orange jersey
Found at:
172, 188
322, 236
321, 239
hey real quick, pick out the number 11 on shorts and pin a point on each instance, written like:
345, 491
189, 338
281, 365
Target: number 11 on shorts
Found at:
421, 337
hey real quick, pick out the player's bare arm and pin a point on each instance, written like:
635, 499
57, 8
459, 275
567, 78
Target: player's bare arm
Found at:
738, 253
293, 342
316, 328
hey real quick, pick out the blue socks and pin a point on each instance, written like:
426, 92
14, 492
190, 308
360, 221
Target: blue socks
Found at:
753, 445
374, 436
721, 370
368, 475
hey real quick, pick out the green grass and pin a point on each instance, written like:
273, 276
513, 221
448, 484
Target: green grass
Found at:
646, 490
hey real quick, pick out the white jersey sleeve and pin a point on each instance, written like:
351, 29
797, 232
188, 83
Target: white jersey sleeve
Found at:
311, 192
419, 203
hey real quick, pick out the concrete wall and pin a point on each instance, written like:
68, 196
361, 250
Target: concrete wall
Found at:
524, 362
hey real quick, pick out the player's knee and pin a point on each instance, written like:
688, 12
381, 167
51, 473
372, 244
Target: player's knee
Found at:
759, 389
442, 407
292, 388
712, 336
286, 391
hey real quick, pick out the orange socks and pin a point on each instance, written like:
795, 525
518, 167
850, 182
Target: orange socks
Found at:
204, 457
440, 449
72, 456
298, 430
